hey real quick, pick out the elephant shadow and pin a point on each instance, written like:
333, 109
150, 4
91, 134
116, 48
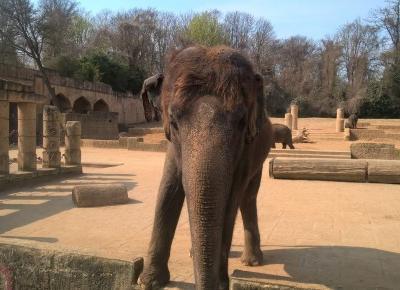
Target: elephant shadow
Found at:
337, 267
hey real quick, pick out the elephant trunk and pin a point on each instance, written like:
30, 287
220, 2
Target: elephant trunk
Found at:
207, 182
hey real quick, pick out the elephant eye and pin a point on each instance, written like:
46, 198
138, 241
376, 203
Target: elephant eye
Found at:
174, 124
242, 123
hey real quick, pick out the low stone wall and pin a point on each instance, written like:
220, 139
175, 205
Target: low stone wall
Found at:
388, 127
136, 144
96, 125
101, 143
42, 174
372, 151
366, 134
29, 268
144, 131
130, 143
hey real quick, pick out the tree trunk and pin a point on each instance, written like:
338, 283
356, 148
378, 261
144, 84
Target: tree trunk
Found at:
319, 169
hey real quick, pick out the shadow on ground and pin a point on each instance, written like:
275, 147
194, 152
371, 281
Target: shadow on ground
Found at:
26, 205
331, 266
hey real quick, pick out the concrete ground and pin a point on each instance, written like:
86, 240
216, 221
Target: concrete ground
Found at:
342, 235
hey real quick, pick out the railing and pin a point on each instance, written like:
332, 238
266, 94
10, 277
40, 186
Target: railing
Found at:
28, 74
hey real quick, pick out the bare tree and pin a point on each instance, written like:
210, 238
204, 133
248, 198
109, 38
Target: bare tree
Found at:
23, 30
262, 45
330, 53
388, 19
239, 28
166, 37
296, 61
56, 21
360, 51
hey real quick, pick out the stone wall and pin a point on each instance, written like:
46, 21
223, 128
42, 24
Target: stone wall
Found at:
129, 107
372, 151
96, 125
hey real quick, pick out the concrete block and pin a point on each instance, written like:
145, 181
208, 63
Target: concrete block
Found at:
372, 151
73, 157
366, 134
99, 195
384, 171
47, 172
29, 268
71, 169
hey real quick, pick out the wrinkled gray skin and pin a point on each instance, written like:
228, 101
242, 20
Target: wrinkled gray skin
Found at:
282, 134
351, 122
215, 161
219, 175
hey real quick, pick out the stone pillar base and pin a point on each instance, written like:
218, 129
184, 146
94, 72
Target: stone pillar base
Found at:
289, 120
26, 136
4, 130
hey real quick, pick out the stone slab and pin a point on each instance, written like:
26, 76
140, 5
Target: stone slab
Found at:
99, 195
29, 268
372, 151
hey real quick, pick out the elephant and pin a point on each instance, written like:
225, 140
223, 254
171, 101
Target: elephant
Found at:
351, 122
150, 94
282, 134
219, 138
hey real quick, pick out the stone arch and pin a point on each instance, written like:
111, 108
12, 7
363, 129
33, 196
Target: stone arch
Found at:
62, 103
82, 106
101, 106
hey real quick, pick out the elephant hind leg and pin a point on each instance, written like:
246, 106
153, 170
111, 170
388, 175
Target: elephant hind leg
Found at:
291, 146
252, 254
283, 145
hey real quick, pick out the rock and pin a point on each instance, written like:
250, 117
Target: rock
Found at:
99, 195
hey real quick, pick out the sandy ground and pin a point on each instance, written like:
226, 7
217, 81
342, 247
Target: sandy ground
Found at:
342, 235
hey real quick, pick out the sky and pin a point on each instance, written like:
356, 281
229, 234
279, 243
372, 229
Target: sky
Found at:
312, 18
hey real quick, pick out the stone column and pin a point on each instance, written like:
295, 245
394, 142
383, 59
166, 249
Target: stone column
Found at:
289, 120
4, 140
294, 110
26, 136
73, 143
339, 120
51, 137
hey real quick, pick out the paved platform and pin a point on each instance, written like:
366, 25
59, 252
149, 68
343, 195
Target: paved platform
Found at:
328, 234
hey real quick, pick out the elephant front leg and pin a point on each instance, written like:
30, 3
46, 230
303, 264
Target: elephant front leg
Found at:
252, 254
169, 205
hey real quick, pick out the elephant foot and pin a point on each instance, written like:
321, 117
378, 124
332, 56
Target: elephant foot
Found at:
154, 278
252, 257
223, 285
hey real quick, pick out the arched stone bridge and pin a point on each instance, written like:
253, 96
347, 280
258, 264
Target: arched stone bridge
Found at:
81, 99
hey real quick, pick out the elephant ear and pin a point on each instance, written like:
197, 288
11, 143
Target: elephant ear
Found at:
256, 113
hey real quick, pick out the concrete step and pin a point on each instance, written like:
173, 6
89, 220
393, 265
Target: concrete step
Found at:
272, 155
316, 152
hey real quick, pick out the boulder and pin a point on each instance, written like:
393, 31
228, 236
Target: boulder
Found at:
99, 195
